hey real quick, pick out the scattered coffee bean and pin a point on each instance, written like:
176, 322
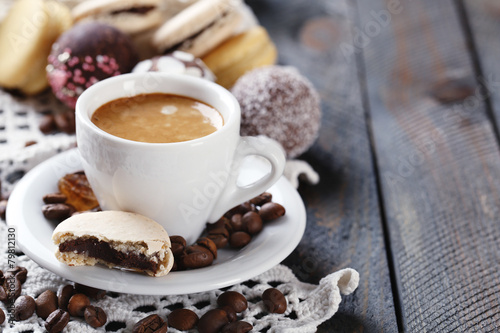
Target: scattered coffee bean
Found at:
237, 327
77, 304
91, 292
24, 307
54, 198
233, 299
2, 316
182, 319
57, 321
271, 211
150, 324
19, 272
219, 240
236, 223
65, 122
4, 297
95, 316
231, 314
2, 277
57, 211
46, 303
47, 124
262, 199
196, 256
30, 143
178, 244
208, 244
252, 223
63, 296
212, 321
274, 300
11, 289
239, 239
3, 209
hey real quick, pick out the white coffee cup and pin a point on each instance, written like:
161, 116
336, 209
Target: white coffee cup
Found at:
180, 185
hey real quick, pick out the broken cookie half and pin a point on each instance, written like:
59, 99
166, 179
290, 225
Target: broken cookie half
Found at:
116, 239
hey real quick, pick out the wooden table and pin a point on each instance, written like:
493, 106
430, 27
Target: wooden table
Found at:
408, 155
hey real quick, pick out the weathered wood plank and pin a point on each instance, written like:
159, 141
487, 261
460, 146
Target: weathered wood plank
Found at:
344, 223
438, 163
483, 17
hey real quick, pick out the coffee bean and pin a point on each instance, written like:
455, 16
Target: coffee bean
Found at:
11, 288
65, 122
57, 211
178, 244
262, 199
239, 239
252, 223
3, 209
150, 324
196, 256
63, 296
208, 244
57, 321
77, 304
236, 223
91, 292
220, 223
19, 272
2, 278
212, 321
271, 211
4, 297
54, 198
2, 316
219, 240
274, 300
219, 231
24, 307
237, 327
231, 314
46, 303
47, 124
95, 316
233, 299
182, 319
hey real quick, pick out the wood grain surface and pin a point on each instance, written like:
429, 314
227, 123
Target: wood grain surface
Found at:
343, 218
438, 162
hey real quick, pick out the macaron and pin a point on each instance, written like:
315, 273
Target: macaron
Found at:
130, 16
26, 37
240, 54
199, 28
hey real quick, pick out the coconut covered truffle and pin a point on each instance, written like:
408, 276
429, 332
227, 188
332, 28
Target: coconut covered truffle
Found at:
85, 54
278, 102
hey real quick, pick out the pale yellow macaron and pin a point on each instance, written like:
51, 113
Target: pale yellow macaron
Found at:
129, 16
26, 37
240, 54
199, 28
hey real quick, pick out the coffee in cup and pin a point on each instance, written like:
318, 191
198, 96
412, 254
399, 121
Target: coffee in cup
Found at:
157, 118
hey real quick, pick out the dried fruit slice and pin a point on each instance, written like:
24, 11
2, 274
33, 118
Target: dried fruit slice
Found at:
77, 189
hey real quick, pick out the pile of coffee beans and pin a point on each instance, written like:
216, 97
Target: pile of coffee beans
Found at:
3, 203
235, 229
222, 319
55, 308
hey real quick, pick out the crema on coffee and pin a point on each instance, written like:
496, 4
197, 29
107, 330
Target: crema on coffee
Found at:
157, 118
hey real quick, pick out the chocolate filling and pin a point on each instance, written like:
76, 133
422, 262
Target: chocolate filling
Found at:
134, 10
189, 40
101, 250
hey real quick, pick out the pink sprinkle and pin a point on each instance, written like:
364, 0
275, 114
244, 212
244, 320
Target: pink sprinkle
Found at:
78, 72
73, 61
88, 59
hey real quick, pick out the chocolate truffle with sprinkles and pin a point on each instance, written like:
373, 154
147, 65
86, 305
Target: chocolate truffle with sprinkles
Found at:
85, 54
278, 102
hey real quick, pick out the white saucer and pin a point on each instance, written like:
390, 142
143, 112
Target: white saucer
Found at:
33, 235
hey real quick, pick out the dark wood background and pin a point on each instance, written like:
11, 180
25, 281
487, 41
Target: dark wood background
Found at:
408, 157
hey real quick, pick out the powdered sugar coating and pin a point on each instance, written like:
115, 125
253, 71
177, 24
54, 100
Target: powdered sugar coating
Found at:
277, 101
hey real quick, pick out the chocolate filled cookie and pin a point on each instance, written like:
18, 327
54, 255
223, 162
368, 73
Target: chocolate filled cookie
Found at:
115, 239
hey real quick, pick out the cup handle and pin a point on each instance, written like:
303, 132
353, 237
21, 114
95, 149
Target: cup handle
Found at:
233, 194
